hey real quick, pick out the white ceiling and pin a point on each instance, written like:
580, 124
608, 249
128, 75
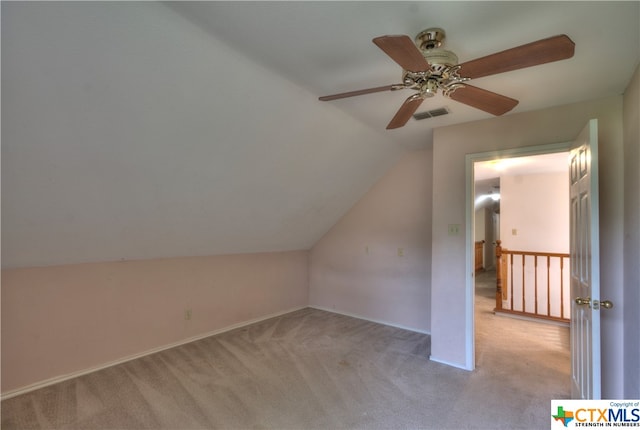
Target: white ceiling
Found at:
326, 48
487, 174
544, 163
146, 130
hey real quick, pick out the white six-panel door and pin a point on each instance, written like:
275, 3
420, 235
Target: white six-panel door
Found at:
585, 265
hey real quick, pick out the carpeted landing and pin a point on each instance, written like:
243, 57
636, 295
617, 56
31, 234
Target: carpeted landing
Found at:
313, 369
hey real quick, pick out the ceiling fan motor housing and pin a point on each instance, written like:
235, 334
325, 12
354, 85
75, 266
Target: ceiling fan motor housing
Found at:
442, 72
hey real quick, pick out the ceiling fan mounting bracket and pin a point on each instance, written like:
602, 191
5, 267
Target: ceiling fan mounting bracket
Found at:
430, 38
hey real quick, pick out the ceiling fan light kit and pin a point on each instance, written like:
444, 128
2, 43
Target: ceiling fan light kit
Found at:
428, 68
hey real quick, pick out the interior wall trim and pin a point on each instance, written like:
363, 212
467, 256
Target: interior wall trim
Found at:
320, 308
62, 378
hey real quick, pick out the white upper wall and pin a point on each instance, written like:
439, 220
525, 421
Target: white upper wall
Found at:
130, 133
534, 212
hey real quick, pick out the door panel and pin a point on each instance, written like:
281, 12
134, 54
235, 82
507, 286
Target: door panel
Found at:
585, 265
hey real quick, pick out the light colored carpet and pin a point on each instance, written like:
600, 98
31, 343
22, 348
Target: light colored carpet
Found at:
313, 369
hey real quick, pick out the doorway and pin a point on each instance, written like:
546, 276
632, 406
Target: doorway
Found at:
532, 236
514, 204
518, 154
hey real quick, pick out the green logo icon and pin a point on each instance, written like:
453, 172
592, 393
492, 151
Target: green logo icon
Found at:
564, 416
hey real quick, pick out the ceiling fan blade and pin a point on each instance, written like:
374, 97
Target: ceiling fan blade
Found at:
403, 51
534, 53
407, 109
485, 100
357, 93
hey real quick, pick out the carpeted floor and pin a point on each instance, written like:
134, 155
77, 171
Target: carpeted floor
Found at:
313, 369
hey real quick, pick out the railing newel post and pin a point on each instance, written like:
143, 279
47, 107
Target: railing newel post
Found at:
498, 276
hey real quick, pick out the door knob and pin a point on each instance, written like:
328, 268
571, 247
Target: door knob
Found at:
580, 301
607, 304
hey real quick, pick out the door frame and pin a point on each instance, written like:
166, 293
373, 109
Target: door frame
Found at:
469, 161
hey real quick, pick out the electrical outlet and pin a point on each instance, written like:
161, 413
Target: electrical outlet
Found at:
187, 314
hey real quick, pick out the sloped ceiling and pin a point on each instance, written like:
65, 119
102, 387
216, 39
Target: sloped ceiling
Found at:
146, 130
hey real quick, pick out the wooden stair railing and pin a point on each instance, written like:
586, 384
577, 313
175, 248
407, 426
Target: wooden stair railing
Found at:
553, 288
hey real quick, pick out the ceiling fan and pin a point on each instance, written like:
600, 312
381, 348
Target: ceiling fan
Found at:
428, 68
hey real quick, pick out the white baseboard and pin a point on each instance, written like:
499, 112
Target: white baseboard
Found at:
448, 363
370, 319
532, 319
61, 378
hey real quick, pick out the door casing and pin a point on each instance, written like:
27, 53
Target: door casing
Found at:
470, 159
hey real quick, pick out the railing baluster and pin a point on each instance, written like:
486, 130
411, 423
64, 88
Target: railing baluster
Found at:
523, 308
505, 264
499, 280
535, 268
561, 287
511, 273
548, 285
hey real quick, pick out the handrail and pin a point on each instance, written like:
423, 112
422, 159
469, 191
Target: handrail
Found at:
535, 254
555, 286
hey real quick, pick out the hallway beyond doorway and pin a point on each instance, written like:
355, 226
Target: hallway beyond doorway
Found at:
538, 351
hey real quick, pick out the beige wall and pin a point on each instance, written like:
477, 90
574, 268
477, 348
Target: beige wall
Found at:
450, 315
355, 267
537, 207
632, 237
64, 319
